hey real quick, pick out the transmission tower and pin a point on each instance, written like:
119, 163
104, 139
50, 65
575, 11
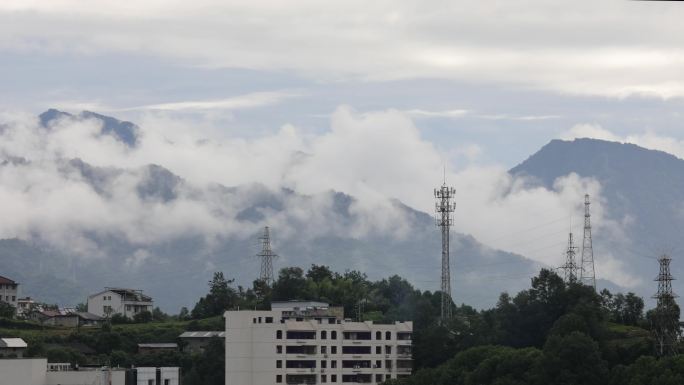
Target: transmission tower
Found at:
665, 321
444, 208
267, 255
587, 274
570, 267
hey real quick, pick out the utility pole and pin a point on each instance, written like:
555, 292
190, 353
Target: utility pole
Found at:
587, 273
570, 266
665, 321
444, 220
267, 255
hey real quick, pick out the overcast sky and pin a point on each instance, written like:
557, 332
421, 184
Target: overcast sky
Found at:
228, 91
486, 81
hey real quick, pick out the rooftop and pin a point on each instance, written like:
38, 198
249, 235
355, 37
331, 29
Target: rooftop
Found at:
127, 294
12, 343
6, 281
201, 334
299, 305
159, 345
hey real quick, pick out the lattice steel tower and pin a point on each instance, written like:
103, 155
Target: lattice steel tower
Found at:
587, 274
444, 209
665, 319
267, 256
570, 267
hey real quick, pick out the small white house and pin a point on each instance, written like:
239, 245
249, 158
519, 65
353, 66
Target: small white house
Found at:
12, 347
8, 291
126, 302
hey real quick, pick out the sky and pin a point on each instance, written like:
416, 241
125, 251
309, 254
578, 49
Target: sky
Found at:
379, 97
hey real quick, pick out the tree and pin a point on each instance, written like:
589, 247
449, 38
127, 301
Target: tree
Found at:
158, 315
573, 359
633, 310
184, 314
318, 273
7, 310
221, 297
142, 317
291, 284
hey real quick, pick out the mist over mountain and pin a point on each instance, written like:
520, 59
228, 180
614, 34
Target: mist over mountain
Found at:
175, 271
149, 228
641, 189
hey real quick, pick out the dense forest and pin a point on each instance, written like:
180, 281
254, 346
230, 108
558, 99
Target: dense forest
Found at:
552, 333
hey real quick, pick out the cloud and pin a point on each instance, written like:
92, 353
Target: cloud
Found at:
458, 113
252, 100
650, 139
372, 156
562, 47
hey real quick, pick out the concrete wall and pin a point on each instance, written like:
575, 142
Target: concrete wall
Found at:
251, 349
9, 294
96, 304
23, 371
90, 377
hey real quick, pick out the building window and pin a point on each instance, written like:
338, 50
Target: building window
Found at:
378, 350
378, 378
269, 320
333, 365
259, 319
378, 364
324, 364
150, 382
279, 364
279, 349
167, 381
388, 349
324, 334
279, 378
14, 298
388, 335
324, 349
333, 349
254, 320
333, 335
324, 378
279, 334
378, 335
333, 378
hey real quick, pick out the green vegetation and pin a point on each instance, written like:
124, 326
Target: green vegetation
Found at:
552, 333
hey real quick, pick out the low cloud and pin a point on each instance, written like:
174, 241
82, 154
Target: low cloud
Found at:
372, 156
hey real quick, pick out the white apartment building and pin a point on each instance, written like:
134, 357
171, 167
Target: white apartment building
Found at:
8, 291
37, 371
312, 343
127, 302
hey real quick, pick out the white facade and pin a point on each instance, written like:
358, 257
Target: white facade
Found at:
126, 302
36, 371
23, 371
9, 291
265, 347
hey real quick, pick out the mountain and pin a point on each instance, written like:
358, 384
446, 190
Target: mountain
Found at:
153, 230
125, 132
643, 190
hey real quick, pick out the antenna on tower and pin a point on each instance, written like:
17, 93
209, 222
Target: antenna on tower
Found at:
587, 273
570, 266
444, 209
267, 255
665, 321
